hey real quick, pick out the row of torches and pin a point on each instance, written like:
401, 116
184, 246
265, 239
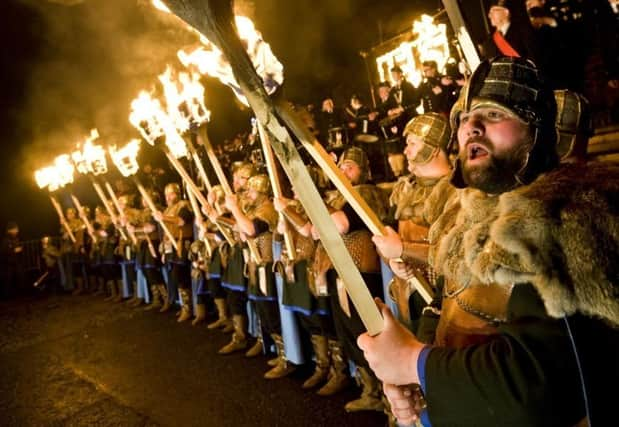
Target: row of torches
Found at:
165, 128
162, 127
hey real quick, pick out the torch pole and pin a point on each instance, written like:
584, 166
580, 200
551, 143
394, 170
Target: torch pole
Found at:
80, 210
269, 160
199, 219
62, 218
153, 209
221, 176
196, 158
108, 208
193, 188
119, 208
223, 181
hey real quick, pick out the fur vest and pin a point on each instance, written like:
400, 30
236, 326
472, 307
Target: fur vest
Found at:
559, 233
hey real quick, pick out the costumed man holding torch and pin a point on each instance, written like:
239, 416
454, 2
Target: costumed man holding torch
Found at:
528, 332
100, 223
198, 257
148, 257
72, 252
109, 239
179, 219
214, 268
299, 293
417, 200
126, 249
257, 224
348, 325
233, 278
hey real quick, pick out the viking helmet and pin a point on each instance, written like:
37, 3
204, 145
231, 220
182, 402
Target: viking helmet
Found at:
126, 199
244, 169
357, 155
515, 84
574, 125
433, 130
172, 187
259, 183
220, 195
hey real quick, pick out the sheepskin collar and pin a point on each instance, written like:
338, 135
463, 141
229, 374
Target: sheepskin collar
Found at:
560, 233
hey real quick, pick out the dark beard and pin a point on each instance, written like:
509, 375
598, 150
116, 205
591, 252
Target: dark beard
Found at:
498, 175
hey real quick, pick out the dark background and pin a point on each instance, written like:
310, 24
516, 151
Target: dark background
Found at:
72, 65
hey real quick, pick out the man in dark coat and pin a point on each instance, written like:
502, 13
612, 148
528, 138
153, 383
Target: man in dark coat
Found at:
513, 34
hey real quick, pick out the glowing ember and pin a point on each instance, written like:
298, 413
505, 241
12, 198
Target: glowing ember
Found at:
126, 158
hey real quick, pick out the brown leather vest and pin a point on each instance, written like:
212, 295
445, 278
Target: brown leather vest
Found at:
471, 315
183, 232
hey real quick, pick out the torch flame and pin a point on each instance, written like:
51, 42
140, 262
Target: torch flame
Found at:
144, 117
57, 175
209, 60
44, 176
91, 159
430, 43
160, 6
126, 158
150, 119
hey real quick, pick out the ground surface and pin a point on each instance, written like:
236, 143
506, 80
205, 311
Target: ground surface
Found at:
80, 361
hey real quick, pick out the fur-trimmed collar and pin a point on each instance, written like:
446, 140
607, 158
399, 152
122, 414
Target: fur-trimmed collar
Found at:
560, 233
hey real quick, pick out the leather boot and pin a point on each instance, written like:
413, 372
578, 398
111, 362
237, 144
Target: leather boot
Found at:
283, 368
79, 286
119, 291
200, 314
186, 308
321, 371
222, 313
155, 298
371, 393
112, 286
229, 327
338, 372
100, 286
92, 284
256, 349
239, 337
134, 300
166, 300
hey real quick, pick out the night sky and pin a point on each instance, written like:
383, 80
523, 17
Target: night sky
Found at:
71, 65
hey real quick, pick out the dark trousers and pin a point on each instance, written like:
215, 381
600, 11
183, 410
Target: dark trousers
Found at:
348, 328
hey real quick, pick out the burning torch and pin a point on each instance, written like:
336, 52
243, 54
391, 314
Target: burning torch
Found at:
54, 177
125, 159
91, 161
